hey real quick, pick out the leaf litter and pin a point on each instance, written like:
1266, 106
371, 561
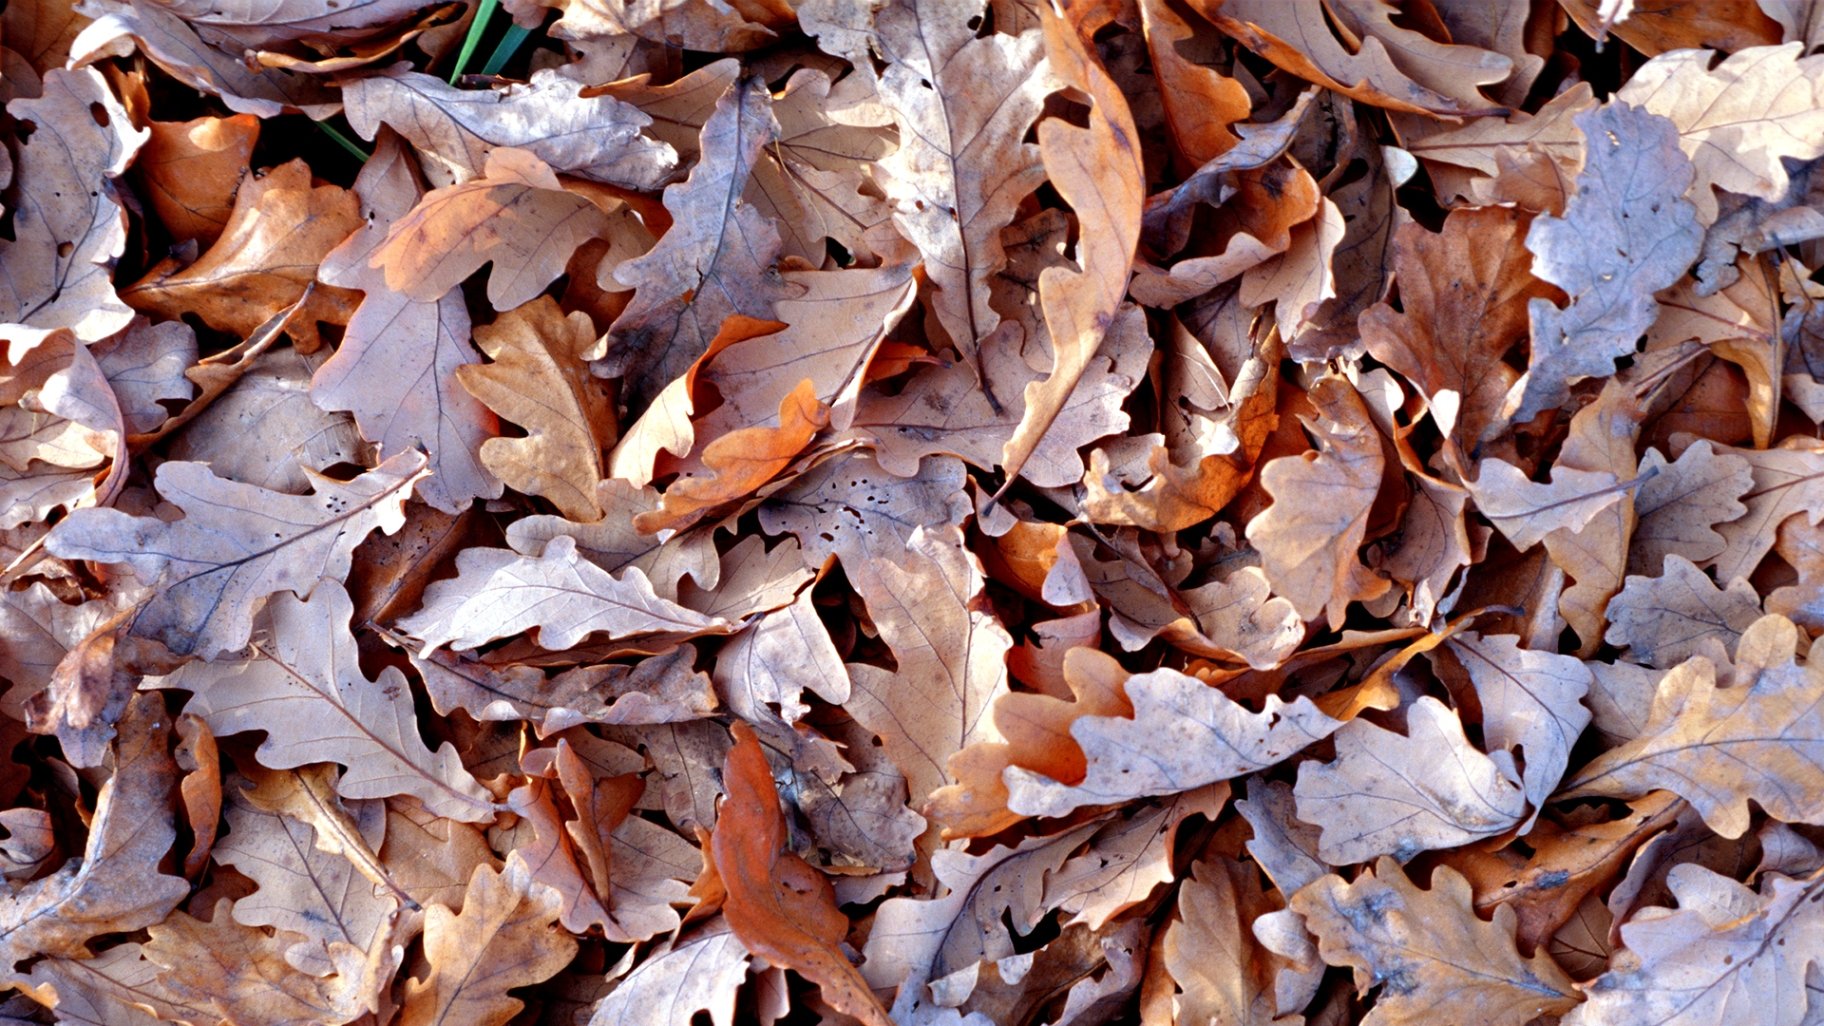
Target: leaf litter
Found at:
912, 511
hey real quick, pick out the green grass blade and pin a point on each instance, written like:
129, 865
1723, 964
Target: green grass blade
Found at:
484, 13
344, 141
503, 51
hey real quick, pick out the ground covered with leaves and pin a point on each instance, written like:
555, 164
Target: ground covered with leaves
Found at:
653, 512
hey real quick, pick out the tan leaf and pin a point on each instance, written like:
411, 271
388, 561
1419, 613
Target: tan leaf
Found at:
738, 463
1428, 951
116, 886
389, 331
1128, 858
1098, 172
539, 379
236, 545
1526, 510
456, 129
516, 216
776, 658
1717, 747
1531, 701
1211, 954
951, 655
778, 906
282, 226
1401, 794
695, 24
715, 261
1463, 305
192, 170
1182, 734
963, 103
670, 986
303, 686
302, 891
1736, 120
1630, 197
1395, 68
1200, 103
1667, 619
1308, 548
504, 938
1681, 503
498, 593
55, 271
613, 543
1788, 481
1726, 954
264, 430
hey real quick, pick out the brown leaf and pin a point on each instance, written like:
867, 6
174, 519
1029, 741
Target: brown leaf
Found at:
192, 169
236, 545
738, 463
503, 938
1719, 747
669, 987
281, 228
1428, 950
778, 906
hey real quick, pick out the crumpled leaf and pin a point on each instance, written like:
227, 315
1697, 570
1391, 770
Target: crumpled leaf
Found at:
1428, 951
1717, 747
778, 906
67, 232
281, 227
1627, 234
193, 169
116, 887
236, 545
668, 988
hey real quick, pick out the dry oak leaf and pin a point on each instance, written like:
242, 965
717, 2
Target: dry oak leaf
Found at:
235, 545
1200, 103
1463, 305
700, 973
1531, 701
1128, 858
239, 973
963, 102
1034, 733
302, 684
1402, 794
1527, 511
1681, 503
516, 216
1097, 170
941, 942
1788, 482
1759, 737
166, 37
1656, 28
67, 223
712, 26
1432, 957
715, 261
779, 907
1210, 954
454, 130
929, 607
1433, 78
1480, 145
192, 170
540, 380
1626, 234
738, 463
1183, 734
498, 593
321, 898
116, 886
282, 226
1667, 619
1725, 955
1736, 120
390, 332
613, 544
1308, 539
506, 936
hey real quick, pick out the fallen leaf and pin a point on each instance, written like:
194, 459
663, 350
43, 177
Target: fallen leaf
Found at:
503, 938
